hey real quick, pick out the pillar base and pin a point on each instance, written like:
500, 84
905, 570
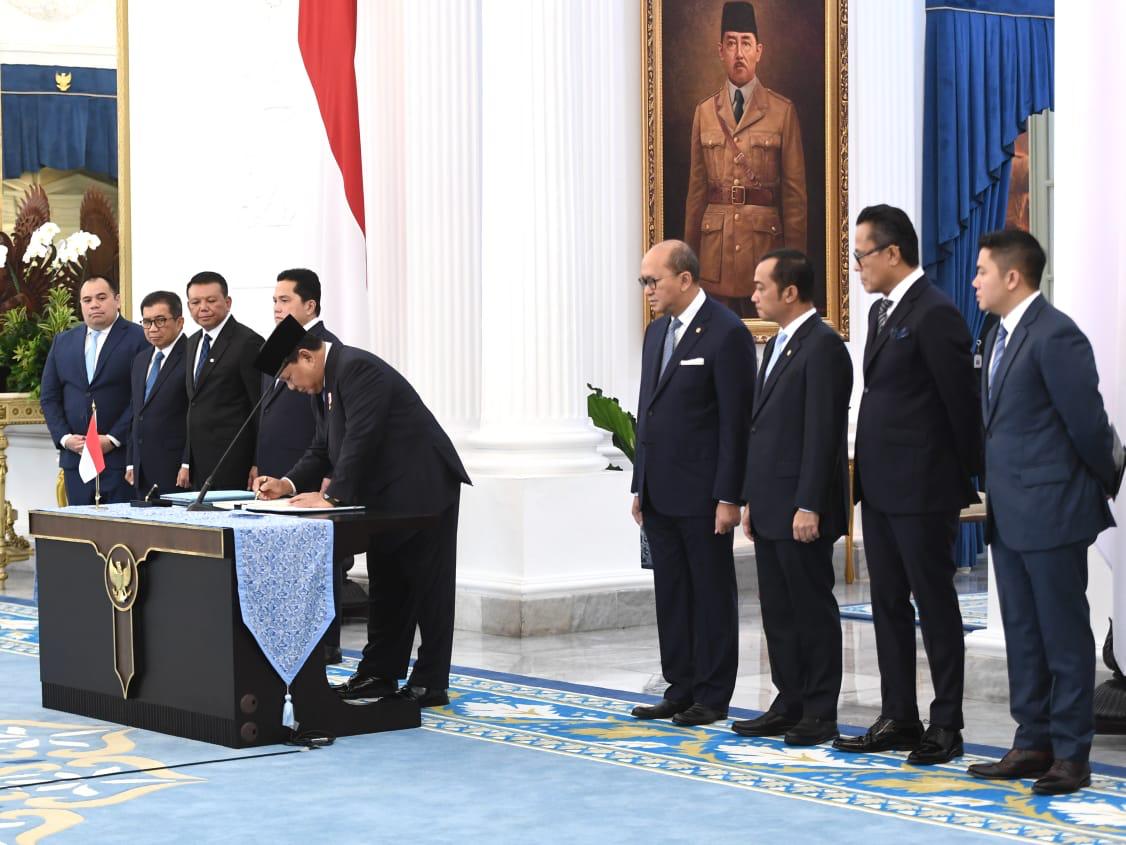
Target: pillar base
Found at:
520, 453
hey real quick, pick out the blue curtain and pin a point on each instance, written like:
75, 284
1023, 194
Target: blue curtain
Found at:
989, 65
46, 126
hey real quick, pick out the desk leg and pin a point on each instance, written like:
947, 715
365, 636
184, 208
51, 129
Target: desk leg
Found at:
12, 546
850, 567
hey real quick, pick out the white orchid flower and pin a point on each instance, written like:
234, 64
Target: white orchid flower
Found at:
3, 255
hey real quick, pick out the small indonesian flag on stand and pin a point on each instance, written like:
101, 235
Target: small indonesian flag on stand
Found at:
92, 462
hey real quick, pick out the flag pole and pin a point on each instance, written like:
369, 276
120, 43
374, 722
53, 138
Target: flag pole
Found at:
97, 476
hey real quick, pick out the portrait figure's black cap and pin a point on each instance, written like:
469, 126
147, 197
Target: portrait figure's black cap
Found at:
279, 345
738, 17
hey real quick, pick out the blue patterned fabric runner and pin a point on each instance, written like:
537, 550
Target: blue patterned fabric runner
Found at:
284, 572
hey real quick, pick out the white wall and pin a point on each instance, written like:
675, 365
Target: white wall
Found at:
81, 33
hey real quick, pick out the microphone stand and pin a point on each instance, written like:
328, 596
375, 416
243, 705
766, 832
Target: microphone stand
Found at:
199, 504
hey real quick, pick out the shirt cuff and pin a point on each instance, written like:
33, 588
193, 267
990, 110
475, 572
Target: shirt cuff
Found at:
116, 443
129, 468
293, 487
64, 439
725, 502
806, 510
185, 466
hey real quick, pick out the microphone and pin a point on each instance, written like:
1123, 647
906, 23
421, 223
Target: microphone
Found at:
148, 496
271, 361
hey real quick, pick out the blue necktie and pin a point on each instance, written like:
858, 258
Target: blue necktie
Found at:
91, 354
154, 371
670, 343
998, 355
779, 342
204, 351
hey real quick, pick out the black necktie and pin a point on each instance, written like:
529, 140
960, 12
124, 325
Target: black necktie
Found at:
738, 105
883, 306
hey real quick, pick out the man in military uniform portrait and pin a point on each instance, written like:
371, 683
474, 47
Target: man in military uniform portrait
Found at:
746, 184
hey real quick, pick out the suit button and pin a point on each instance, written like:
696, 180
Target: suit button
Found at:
866, 390
736, 216
737, 247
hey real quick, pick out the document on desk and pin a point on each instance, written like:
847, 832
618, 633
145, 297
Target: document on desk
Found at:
283, 506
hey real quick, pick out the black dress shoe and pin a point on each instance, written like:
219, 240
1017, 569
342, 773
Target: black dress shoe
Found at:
811, 731
884, 735
939, 745
1018, 763
768, 724
366, 686
698, 714
1065, 776
424, 696
663, 709
333, 655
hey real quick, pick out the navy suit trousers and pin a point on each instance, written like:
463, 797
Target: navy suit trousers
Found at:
1050, 647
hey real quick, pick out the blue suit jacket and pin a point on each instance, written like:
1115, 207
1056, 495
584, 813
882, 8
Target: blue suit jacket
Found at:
1048, 456
66, 396
692, 421
156, 443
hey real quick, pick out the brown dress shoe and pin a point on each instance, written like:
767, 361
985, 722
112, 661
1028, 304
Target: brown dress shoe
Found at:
1064, 776
1018, 763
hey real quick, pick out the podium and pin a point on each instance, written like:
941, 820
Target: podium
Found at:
140, 624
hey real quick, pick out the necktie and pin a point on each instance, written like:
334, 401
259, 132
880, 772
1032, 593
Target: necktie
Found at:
998, 354
779, 342
738, 105
883, 306
670, 343
91, 354
204, 351
154, 371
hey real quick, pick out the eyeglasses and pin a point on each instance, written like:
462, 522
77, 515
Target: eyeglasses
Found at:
647, 282
859, 255
155, 321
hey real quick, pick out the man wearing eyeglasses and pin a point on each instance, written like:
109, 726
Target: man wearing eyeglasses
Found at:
693, 413
160, 398
918, 442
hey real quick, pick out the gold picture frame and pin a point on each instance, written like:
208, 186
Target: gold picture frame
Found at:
836, 241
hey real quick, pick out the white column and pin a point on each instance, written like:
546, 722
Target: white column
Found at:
538, 129
442, 148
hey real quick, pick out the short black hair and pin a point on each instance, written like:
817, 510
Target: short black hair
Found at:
309, 341
175, 307
1016, 248
113, 286
792, 268
305, 284
208, 277
682, 259
891, 225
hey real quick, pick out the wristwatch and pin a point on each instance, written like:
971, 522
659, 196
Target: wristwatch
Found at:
330, 499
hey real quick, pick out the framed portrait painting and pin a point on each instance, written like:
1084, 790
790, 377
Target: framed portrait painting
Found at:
746, 141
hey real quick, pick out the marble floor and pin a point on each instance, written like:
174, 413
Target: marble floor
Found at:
628, 660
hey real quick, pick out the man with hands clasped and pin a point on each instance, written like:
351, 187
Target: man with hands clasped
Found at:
796, 489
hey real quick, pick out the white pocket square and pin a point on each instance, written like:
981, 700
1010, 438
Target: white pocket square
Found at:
692, 362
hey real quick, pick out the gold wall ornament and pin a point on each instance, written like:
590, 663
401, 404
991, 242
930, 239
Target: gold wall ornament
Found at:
62, 81
15, 409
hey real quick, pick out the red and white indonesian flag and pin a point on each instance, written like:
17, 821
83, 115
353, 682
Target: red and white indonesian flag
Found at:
326, 34
92, 461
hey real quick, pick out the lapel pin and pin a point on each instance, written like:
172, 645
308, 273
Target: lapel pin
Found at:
330, 401
789, 352
698, 329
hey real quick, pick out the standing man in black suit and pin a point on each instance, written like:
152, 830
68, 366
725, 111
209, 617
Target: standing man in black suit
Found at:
918, 442
90, 364
160, 397
383, 448
286, 421
697, 384
796, 489
223, 385
1050, 468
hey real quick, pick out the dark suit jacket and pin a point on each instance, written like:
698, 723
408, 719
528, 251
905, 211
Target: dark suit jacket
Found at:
1047, 440
797, 456
918, 435
228, 388
379, 443
159, 432
692, 422
65, 395
285, 421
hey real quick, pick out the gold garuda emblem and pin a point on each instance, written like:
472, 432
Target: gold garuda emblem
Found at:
62, 81
121, 577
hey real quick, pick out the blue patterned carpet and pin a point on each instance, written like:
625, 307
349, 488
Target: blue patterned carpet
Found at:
975, 611
510, 759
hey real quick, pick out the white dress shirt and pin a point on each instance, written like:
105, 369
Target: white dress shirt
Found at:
214, 335
167, 350
748, 92
1010, 321
688, 315
100, 342
900, 290
791, 328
